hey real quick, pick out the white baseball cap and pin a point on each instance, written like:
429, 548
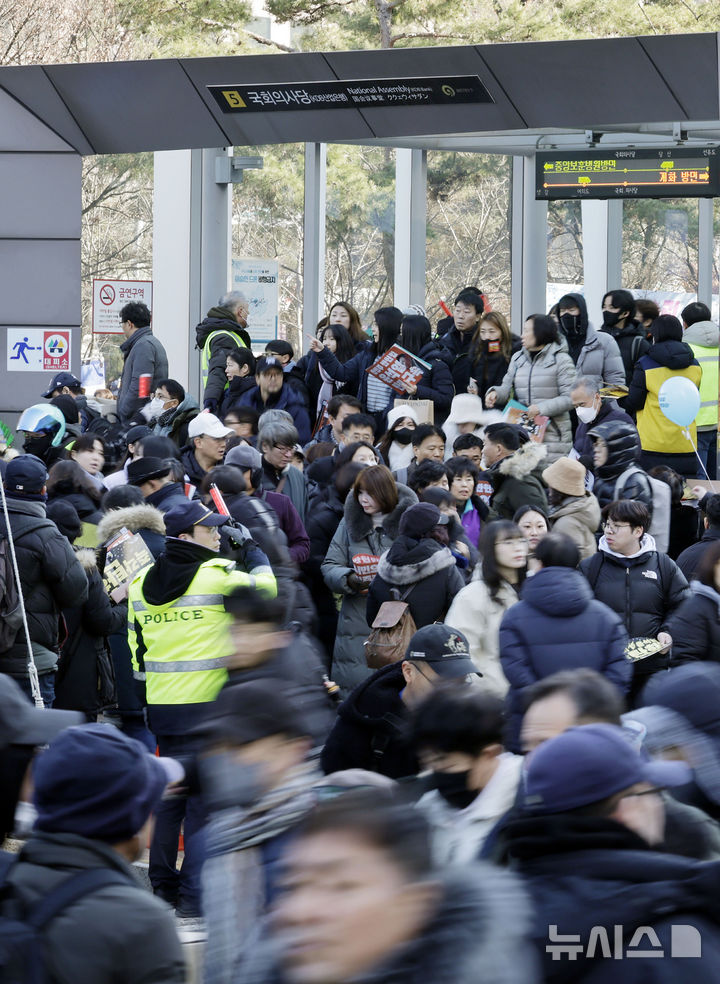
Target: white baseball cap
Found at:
207, 423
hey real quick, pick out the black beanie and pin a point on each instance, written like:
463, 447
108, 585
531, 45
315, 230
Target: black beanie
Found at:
65, 516
666, 328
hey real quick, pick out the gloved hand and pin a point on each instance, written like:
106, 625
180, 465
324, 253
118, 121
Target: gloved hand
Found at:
356, 583
210, 405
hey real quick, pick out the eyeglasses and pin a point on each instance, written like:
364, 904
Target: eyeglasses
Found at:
654, 791
607, 528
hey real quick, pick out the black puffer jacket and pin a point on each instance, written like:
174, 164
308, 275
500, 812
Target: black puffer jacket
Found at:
632, 344
585, 873
424, 566
237, 388
489, 368
370, 731
436, 383
120, 934
85, 679
52, 578
623, 444
458, 344
695, 626
644, 590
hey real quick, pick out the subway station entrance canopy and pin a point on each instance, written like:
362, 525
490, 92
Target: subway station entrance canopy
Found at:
640, 85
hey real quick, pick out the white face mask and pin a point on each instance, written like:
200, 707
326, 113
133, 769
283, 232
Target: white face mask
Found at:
586, 414
154, 408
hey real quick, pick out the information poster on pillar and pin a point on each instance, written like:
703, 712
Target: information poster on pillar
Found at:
257, 278
38, 350
110, 296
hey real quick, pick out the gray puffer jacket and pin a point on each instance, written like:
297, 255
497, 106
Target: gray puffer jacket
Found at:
545, 381
356, 535
120, 934
600, 357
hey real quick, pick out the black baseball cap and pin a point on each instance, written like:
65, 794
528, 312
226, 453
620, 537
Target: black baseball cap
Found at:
59, 380
191, 513
444, 649
143, 469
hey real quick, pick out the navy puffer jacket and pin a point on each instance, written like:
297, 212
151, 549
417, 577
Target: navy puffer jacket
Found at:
558, 625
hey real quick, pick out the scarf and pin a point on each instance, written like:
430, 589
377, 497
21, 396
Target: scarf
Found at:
234, 879
326, 390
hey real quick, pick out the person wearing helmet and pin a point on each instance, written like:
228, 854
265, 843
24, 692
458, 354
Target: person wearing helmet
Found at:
43, 426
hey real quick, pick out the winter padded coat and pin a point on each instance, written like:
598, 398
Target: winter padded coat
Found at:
144, 355
458, 345
623, 444
704, 339
643, 590
51, 577
558, 625
545, 381
633, 345
593, 353
356, 535
287, 399
514, 482
436, 383
85, 679
578, 516
232, 336
425, 568
477, 614
488, 369
583, 445
695, 626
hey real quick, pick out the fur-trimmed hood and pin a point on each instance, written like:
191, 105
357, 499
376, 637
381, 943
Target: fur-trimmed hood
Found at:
87, 559
133, 518
523, 461
409, 561
359, 524
479, 930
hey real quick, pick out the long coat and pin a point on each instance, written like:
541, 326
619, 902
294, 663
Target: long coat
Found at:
545, 381
356, 535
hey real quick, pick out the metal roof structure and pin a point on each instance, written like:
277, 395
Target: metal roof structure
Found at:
544, 93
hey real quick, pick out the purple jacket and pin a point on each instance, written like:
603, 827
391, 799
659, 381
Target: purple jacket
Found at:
290, 523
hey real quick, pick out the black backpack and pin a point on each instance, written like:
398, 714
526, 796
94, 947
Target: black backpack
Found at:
21, 929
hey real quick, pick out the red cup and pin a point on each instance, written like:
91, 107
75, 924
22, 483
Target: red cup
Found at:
144, 385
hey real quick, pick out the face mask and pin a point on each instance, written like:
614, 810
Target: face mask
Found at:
403, 435
25, 817
154, 408
452, 786
610, 318
570, 323
586, 414
227, 783
37, 445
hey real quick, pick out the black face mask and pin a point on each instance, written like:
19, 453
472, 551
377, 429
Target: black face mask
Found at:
452, 786
403, 435
610, 318
37, 444
570, 324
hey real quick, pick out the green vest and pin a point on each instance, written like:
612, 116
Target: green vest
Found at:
187, 640
708, 359
205, 358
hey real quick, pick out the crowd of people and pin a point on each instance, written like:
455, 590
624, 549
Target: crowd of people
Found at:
400, 683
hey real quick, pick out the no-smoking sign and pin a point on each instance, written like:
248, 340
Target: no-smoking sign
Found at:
111, 296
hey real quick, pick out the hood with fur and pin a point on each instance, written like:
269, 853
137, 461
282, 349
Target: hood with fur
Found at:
133, 518
359, 524
409, 560
705, 333
523, 461
87, 558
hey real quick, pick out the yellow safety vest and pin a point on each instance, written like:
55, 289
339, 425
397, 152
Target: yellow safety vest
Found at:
657, 433
708, 359
205, 358
187, 641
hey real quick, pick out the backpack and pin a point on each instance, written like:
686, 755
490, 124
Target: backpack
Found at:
113, 435
660, 520
22, 929
10, 611
392, 631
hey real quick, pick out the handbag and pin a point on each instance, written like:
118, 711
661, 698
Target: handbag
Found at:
392, 630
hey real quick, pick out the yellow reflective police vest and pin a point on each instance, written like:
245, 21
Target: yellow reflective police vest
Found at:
205, 357
708, 359
187, 641
657, 433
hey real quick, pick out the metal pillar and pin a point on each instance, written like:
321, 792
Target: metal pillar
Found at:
191, 252
705, 250
602, 252
314, 236
410, 227
528, 244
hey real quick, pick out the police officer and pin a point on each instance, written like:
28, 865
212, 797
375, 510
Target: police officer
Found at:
179, 637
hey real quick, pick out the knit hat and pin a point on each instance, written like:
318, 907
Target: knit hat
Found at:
466, 409
414, 309
96, 782
65, 516
397, 413
666, 328
419, 520
565, 475
25, 477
